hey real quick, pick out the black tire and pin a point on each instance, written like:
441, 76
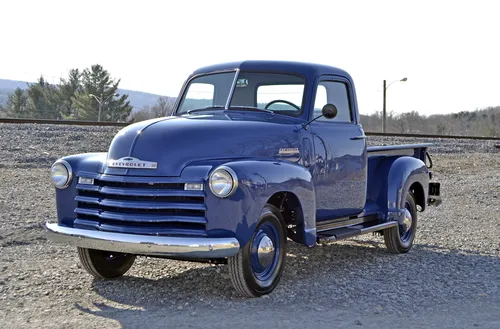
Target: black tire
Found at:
105, 264
397, 239
245, 268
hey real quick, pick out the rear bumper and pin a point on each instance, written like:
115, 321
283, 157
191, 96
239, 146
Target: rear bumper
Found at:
180, 247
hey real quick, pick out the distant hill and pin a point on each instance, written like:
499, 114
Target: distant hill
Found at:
138, 99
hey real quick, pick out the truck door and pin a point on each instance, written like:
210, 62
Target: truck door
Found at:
340, 149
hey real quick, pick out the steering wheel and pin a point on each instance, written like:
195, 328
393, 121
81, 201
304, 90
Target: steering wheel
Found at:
282, 101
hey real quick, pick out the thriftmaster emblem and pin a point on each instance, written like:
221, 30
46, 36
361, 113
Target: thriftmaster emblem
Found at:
129, 162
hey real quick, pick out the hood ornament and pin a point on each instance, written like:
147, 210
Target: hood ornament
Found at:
131, 163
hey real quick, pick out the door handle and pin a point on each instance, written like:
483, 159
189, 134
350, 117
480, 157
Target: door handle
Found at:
358, 137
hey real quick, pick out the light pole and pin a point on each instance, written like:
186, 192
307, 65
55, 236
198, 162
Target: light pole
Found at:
384, 112
101, 101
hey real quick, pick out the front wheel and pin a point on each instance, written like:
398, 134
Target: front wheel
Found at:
256, 269
105, 264
399, 239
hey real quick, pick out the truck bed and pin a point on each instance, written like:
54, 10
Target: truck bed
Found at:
416, 150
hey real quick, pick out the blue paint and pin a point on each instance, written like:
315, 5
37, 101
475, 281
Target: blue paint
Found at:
332, 176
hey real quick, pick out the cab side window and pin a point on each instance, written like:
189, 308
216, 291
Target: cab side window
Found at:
333, 92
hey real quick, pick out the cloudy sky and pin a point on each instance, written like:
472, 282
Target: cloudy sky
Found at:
448, 50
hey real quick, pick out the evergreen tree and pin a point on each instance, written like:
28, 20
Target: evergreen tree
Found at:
43, 100
98, 99
67, 90
17, 105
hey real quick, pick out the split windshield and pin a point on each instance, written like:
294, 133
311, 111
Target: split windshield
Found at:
257, 91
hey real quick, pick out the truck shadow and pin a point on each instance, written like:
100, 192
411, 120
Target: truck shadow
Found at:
346, 274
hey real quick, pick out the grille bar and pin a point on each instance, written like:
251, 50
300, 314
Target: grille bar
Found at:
146, 179
141, 217
138, 191
135, 229
140, 204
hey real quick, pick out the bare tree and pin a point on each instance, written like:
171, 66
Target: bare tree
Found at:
163, 107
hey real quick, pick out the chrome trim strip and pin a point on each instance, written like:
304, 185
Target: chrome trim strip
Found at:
343, 222
183, 247
231, 92
378, 227
374, 228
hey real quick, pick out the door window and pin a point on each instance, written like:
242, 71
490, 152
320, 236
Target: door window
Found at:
332, 92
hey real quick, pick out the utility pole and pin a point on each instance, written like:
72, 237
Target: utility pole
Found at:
101, 102
100, 109
384, 111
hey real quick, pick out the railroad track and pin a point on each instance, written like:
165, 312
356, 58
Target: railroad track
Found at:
123, 124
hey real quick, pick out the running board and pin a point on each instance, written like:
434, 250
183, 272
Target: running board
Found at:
348, 232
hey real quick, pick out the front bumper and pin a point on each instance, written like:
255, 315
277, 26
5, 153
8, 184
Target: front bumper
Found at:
179, 247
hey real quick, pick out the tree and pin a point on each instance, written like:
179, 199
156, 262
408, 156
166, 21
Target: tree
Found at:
163, 107
17, 104
43, 100
99, 91
67, 90
441, 129
142, 114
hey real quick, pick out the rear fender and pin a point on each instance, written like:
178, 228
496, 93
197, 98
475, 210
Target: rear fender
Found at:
238, 214
390, 179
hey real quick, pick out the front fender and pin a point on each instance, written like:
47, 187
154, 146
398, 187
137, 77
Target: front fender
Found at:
65, 199
258, 181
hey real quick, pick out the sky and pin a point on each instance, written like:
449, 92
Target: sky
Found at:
448, 50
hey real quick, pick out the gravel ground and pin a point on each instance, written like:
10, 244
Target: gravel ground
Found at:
450, 279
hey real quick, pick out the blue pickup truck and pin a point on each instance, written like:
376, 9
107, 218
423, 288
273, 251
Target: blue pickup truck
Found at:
255, 153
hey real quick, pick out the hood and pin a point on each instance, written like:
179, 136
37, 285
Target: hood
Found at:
169, 144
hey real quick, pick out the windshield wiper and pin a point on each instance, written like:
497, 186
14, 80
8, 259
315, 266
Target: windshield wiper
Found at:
252, 108
208, 108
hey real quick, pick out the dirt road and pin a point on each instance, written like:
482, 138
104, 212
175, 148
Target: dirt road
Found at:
450, 279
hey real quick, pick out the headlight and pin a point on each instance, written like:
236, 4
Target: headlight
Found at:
223, 182
61, 174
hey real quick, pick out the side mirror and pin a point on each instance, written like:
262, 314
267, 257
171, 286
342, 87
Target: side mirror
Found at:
329, 111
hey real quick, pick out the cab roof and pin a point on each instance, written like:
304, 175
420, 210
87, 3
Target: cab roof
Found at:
308, 70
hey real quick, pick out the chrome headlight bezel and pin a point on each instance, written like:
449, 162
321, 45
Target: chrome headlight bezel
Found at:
234, 181
69, 175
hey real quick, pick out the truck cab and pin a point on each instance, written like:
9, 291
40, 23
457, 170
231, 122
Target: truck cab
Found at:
255, 153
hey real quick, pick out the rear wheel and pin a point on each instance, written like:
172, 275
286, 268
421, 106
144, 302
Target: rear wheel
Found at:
105, 264
257, 268
399, 239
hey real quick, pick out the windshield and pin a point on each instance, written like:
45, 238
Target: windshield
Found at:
270, 92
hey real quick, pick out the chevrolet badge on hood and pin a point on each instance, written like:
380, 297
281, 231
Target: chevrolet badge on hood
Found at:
132, 163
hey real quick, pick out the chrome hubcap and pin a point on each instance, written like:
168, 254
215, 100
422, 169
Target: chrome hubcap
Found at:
265, 251
406, 222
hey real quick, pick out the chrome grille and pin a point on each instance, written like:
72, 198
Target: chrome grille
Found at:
140, 205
